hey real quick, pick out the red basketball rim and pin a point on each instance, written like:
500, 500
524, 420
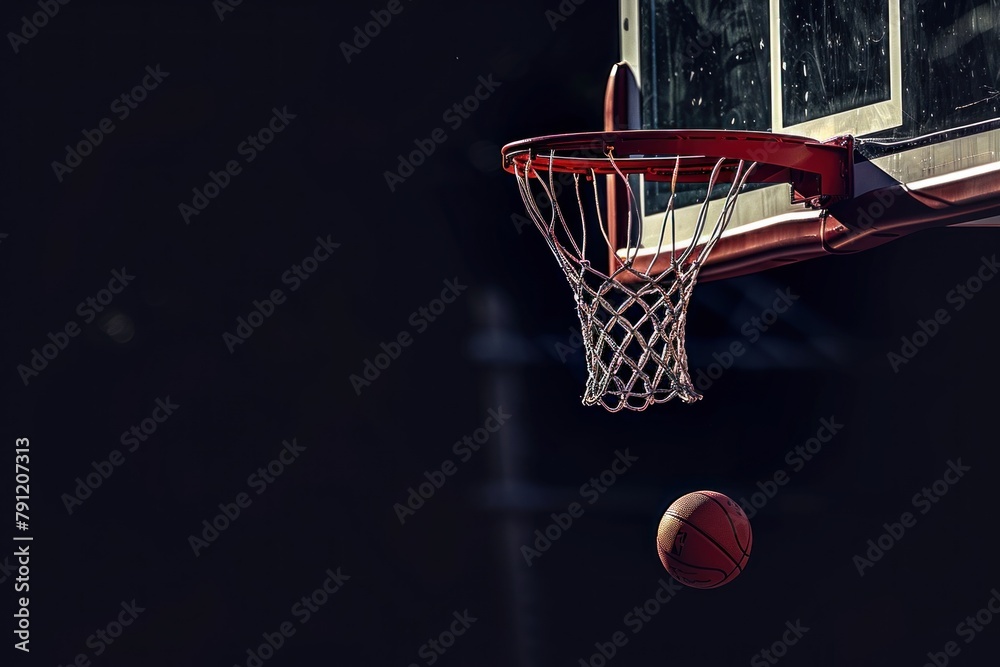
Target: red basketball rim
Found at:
692, 153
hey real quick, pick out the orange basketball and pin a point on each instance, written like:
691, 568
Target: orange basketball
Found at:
704, 539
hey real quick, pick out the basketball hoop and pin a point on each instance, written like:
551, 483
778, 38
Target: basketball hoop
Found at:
633, 317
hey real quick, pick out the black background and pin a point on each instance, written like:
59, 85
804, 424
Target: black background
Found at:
496, 346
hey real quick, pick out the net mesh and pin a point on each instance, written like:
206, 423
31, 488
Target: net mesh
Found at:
632, 325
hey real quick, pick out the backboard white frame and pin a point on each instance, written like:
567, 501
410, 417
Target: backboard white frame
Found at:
772, 204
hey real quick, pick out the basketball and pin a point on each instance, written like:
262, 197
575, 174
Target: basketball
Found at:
704, 539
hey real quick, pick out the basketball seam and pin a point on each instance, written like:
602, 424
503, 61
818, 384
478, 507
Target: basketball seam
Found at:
707, 537
725, 575
700, 567
731, 524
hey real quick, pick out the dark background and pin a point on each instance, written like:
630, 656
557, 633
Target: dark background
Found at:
497, 346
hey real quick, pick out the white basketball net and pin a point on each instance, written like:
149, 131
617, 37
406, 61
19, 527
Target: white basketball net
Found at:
633, 333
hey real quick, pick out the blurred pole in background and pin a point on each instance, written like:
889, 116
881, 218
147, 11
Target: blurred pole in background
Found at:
504, 353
